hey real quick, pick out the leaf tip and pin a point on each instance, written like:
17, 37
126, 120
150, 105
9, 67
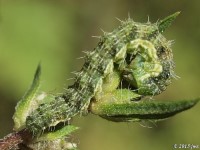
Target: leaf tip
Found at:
166, 22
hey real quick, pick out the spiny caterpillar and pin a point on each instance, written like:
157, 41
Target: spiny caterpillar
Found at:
138, 52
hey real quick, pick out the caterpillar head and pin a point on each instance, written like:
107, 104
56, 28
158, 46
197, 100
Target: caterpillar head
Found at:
150, 61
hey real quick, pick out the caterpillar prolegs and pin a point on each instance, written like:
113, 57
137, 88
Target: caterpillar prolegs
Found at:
139, 54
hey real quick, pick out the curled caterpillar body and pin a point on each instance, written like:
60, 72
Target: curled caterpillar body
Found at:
140, 54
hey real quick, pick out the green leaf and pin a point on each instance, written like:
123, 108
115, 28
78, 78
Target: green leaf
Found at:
142, 110
57, 134
166, 22
27, 103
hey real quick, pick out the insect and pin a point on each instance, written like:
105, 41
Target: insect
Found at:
140, 55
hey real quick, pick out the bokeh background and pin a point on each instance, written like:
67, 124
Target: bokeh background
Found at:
55, 32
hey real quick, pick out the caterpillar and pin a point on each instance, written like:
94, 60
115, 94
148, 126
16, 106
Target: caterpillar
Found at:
138, 51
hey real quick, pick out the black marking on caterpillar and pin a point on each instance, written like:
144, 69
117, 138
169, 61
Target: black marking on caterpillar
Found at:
137, 50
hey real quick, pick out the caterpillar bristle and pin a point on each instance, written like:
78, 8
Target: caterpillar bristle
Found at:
104, 32
119, 20
86, 52
75, 73
70, 79
98, 37
81, 57
170, 43
148, 20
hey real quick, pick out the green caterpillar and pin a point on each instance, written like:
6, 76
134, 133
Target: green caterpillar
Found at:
137, 51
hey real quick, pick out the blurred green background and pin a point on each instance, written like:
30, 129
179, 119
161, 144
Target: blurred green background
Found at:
55, 32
